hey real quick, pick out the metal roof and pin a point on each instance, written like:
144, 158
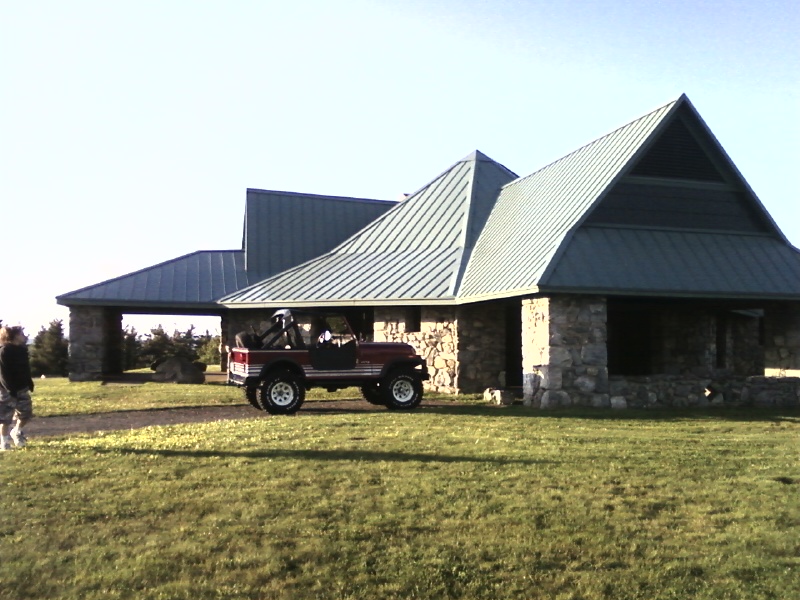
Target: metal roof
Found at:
608, 260
281, 230
415, 252
527, 244
478, 232
284, 229
193, 281
534, 214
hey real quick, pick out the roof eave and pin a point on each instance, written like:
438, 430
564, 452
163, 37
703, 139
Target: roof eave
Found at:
670, 293
341, 302
141, 306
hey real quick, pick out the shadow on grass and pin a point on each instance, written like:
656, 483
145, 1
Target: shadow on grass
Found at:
324, 455
774, 414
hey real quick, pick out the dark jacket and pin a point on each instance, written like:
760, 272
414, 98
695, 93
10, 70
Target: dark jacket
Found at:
15, 368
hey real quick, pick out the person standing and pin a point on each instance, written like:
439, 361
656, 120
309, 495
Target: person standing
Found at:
16, 386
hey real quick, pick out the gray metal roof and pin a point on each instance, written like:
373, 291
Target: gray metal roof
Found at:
527, 245
193, 281
415, 252
474, 233
534, 214
284, 229
477, 232
607, 260
281, 230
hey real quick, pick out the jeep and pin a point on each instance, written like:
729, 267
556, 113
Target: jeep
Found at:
305, 349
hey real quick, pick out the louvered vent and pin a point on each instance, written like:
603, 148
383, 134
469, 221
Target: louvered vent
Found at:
677, 155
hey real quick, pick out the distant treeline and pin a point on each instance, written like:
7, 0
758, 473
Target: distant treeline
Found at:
49, 349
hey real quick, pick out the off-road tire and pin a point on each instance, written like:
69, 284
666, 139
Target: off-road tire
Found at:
251, 393
402, 390
281, 393
373, 394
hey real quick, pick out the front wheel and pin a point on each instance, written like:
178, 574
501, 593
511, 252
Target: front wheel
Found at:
402, 390
372, 394
281, 394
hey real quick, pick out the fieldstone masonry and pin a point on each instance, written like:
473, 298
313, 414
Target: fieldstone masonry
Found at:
95, 342
564, 350
436, 340
782, 339
671, 391
564, 355
463, 346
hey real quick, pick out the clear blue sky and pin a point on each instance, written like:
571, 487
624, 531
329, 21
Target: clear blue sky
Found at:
129, 131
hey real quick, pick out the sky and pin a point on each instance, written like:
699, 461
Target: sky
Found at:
130, 130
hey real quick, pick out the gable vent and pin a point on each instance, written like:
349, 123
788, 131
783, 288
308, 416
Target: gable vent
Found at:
677, 155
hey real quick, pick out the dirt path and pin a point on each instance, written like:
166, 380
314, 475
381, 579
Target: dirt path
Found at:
136, 419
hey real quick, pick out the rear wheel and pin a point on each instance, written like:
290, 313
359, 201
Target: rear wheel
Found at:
281, 393
372, 394
402, 390
251, 393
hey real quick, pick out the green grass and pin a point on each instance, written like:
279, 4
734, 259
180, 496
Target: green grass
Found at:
59, 397
454, 502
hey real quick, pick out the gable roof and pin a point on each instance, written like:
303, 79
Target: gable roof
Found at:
416, 252
542, 238
476, 232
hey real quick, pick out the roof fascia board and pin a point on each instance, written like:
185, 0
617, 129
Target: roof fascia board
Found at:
349, 302
142, 307
666, 294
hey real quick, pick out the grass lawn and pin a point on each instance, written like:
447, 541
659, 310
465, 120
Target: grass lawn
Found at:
58, 396
453, 502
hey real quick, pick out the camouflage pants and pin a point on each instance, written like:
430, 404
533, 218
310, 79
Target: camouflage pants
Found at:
17, 405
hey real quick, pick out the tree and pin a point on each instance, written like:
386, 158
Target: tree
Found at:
50, 351
158, 345
131, 349
208, 350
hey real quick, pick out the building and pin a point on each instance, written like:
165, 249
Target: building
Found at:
638, 269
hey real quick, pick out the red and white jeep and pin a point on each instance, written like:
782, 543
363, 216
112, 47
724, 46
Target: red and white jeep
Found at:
305, 349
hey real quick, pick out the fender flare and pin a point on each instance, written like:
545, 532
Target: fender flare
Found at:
285, 364
406, 363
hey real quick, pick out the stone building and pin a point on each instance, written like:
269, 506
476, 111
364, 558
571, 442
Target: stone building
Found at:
639, 270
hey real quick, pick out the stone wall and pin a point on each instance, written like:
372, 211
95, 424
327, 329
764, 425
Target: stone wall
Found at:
674, 391
782, 339
436, 340
481, 346
95, 342
687, 342
463, 346
564, 354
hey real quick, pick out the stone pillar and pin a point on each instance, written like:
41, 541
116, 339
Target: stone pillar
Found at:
564, 353
782, 339
95, 342
481, 346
